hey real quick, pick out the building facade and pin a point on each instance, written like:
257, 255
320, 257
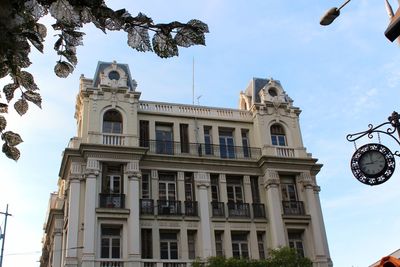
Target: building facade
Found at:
150, 184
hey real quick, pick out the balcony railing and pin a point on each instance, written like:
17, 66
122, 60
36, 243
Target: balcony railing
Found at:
285, 152
112, 201
238, 209
293, 208
168, 207
113, 139
111, 263
258, 210
147, 206
218, 209
191, 208
201, 150
166, 263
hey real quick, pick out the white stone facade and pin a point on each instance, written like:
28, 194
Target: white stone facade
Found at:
151, 184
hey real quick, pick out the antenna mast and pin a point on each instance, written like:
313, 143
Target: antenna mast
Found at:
193, 83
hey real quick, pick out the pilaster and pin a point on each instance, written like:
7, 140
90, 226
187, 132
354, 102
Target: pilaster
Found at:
181, 187
203, 183
271, 185
91, 173
133, 174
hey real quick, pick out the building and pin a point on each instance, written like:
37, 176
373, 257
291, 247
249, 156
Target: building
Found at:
395, 254
154, 184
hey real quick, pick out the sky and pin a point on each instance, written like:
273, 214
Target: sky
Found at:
343, 77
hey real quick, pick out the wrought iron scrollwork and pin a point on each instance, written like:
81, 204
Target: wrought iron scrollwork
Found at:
393, 125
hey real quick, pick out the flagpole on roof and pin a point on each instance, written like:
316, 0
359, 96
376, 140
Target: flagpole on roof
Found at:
3, 235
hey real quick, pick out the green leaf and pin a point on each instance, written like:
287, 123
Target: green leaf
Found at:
21, 106
3, 108
11, 152
164, 46
3, 123
11, 138
9, 89
33, 97
139, 39
63, 69
26, 80
186, 37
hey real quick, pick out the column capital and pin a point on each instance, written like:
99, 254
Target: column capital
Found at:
132, 169
202, 179
92, 167
246, 179
75, 172
306, 179
271, 178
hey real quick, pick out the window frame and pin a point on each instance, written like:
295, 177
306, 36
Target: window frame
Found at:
110, 238
111, 125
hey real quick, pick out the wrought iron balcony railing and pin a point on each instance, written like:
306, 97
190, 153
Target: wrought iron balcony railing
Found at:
168, 207
237, 209
218, 209
191, 208
201, 150
108, 200
293, 208
147, 206
258, 210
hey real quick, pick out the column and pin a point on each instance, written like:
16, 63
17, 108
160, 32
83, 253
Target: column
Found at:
271, 185
57, 242
202, 183
92, 172
313, 209
183, 249
154, 186
227, 231
73, 215
181, 188
132, 203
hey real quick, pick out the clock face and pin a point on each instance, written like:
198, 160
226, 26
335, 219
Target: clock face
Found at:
373, 164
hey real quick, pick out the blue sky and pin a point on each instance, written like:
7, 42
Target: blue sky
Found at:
343, 77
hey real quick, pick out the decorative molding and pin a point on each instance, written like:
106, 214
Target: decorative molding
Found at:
306, 180
222, 178
181, 176
132, 169
92, 167
202, 179
317, 189
154, 174
246, 179
271, 178
75, 171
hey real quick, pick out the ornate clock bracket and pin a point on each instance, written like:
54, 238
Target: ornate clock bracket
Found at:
393, 125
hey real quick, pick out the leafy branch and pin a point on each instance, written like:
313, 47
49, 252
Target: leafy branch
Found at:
21, 30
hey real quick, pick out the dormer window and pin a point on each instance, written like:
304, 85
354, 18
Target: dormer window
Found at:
114, 75
278, 137
112, 122
272, 92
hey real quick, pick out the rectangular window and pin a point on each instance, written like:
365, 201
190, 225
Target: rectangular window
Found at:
168, 245
214, 188
245, 143
112, 182
219, 248
255, 193
226, 143
296, 242
164, 139
146, 186
260, 241
110, 242
167, 186
147, 244
240, 247
234, 189
144, 133
208, 147
288, 187
191, 236
189, 186
184, 134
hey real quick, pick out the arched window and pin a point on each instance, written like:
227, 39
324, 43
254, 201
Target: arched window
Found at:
112, 122
278, 137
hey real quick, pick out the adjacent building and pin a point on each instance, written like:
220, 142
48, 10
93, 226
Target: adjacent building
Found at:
150, 184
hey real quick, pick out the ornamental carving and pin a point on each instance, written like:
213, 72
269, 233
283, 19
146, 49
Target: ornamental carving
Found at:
306, 179
202, 179
132, 169
271, 178
92, 166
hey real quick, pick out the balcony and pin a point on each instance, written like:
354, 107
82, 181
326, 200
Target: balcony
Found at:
238, 209
112, 201
146, 206
191, 208
201, 150
258, 210
293, 208
218, 209
114, 139
111, 263
285, 152
168, 207
165, 263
